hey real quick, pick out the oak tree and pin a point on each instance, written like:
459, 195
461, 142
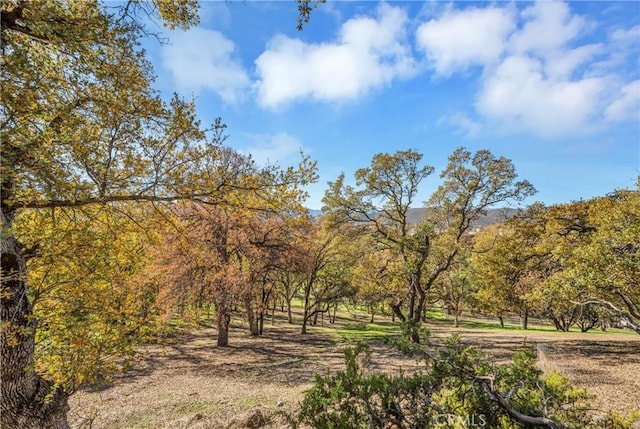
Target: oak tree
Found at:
606, 265
380, 201
82, 126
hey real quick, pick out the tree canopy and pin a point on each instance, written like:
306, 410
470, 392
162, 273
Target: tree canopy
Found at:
83, 128
384, 193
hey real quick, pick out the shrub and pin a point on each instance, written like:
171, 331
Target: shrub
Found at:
456, 388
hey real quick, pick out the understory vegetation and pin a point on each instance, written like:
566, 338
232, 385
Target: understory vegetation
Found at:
456, 388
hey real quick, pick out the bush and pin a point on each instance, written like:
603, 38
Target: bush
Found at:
457, 388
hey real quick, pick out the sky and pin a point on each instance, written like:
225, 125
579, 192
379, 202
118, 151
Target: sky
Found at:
553, 86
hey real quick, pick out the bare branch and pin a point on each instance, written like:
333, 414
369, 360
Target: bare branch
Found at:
487, 385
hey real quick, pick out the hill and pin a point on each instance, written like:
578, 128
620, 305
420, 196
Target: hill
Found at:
492, 216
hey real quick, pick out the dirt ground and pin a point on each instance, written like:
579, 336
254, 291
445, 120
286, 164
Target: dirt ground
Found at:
190, 383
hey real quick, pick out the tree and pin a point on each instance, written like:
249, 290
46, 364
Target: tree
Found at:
304, 8
325, 279
503, 260
373, 278
199, 263
575, 262
384, 193
454, 288
221, 256
380, 206
554, 291
82, 126
606, 266
89, 304
271, 243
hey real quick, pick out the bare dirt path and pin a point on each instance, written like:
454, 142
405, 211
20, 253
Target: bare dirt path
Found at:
191, 383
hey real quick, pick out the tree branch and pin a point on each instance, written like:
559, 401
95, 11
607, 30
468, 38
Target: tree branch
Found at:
625, 318
487, 385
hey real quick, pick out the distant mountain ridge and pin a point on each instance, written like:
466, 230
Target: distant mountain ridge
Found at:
493, 216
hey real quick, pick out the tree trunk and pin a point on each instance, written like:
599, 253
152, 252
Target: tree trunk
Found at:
224, 319
524, 319
289, 313
306, 309
305, 313
456, 319
415, 321
273, 312
414, 335
28, 400
501, 319
304, 322
396, 310
412, 301
251, 317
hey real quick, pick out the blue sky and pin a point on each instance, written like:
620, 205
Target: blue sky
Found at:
553, 86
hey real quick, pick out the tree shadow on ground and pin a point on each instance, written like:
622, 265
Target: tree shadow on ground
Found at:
280, 354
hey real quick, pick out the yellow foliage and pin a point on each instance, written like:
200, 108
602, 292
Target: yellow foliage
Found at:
89, 305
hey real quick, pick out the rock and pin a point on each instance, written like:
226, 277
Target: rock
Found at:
280, 403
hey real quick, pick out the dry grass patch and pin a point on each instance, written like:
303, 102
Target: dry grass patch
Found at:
192, 383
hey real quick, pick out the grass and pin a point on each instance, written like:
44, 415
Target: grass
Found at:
353, 325
147, 419
193, 407
533, 326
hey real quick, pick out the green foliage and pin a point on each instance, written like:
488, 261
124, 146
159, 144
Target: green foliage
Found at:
419, 255
90, 306
404, 342
449, 392
304, 8
570, 263
614, 420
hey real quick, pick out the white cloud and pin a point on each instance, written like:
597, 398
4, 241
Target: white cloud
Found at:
463, 38
538, 76
548, 27
626, 105
622, 44
626, 37
201, 59
278, 148
518, 97
369, 53
463, 123
561, 65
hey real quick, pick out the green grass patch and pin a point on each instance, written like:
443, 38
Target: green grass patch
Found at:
437, 318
